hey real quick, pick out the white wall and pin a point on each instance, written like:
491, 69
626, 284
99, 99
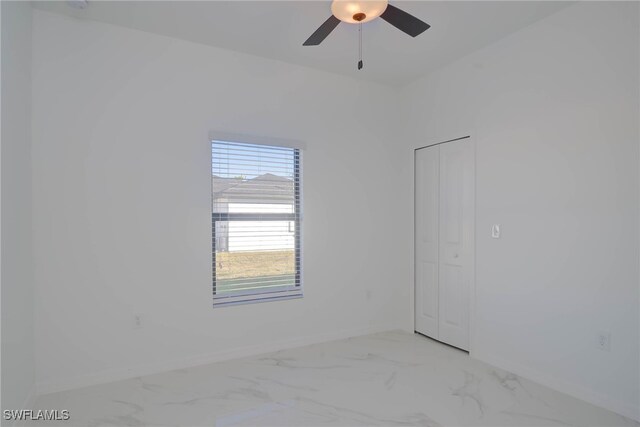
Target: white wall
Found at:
122, 198
554, 113
17, 268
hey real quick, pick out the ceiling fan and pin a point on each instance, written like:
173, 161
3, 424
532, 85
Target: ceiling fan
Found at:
359, 12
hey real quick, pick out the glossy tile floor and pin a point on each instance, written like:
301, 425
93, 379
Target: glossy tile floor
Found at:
386, 379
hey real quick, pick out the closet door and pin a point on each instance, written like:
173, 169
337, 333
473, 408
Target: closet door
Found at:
456, 255
427, 194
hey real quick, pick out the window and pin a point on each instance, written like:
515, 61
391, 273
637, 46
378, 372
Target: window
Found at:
256, 218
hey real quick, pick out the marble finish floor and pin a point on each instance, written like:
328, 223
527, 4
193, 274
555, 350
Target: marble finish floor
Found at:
385, 379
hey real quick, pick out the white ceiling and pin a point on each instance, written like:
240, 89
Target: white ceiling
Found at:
277, 29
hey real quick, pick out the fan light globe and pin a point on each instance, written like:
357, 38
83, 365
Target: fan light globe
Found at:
352, 11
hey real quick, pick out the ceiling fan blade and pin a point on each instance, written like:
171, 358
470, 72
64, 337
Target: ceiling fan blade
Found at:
322, 32
404, 21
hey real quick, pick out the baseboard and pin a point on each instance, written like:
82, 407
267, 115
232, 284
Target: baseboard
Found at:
112, 375
31, 398
28, 403
590, 396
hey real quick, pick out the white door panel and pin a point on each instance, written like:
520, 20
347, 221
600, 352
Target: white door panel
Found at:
452, 293
444, 241
456, 236
427, 191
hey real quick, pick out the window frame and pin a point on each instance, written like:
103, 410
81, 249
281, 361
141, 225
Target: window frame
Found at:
283, 292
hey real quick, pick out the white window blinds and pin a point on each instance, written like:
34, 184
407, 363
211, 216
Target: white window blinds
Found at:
256, 198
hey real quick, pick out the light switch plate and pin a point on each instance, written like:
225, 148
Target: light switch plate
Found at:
495, 231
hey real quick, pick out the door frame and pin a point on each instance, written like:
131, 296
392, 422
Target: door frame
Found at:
472, 287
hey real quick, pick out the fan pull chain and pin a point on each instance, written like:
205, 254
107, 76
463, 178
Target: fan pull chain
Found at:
360, 46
